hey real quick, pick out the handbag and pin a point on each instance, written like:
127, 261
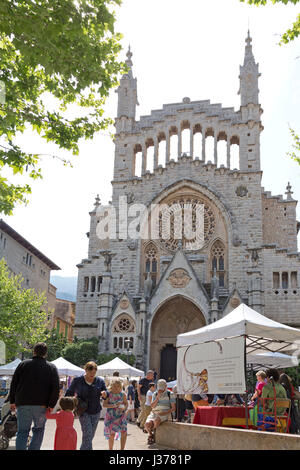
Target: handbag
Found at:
81, 407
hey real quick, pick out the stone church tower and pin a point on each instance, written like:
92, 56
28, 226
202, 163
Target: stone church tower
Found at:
137, 295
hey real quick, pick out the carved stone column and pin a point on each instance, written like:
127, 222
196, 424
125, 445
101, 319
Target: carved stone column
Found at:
144, 158
191, 142
104, 312
215, 149
203, 145
167, 146
155, 154
228, 152
179, 142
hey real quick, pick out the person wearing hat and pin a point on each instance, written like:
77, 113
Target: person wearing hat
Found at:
163, 405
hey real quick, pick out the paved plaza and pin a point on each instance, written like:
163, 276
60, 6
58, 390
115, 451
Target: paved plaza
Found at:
136, 439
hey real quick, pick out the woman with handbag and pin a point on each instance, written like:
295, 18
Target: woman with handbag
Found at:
88, 390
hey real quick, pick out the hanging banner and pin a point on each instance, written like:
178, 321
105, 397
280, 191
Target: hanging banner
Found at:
213, 367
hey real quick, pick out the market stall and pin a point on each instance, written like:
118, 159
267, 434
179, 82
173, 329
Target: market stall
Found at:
213, 359
221, 416
6, 373
9, 369
124, 369
65, 367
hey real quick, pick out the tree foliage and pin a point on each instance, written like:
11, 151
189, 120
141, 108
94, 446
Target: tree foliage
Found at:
295, 155
83, 350
22, 319
64, 50
56, 342
103, 358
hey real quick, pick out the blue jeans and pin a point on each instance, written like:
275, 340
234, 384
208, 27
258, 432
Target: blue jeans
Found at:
89, 425
25, 415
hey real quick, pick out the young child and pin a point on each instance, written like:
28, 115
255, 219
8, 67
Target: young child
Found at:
148, 408
115, 419
65, 435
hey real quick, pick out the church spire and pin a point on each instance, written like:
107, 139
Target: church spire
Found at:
127, 91
128, 62
249, 76
249, 57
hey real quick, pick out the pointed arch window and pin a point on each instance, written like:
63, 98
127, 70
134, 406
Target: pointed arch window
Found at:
121, 328
218, 262
151, 263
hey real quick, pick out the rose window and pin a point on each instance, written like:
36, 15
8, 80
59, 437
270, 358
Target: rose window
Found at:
178, 223
123, 325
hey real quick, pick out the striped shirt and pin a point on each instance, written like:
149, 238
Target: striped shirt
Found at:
165, 401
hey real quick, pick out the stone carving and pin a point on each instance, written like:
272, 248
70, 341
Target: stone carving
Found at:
130, 198
236, 240
179, 278
182, 324
241, 191
234, 302
254, 256
215, 286
108, 256
148, 286
124, 304
132, 245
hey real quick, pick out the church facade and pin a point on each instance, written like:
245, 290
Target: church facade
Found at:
137, 294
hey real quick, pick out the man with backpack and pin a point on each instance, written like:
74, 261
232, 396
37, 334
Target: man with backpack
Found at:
163, 405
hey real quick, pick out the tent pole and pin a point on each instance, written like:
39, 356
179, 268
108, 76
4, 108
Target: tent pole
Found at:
246, 395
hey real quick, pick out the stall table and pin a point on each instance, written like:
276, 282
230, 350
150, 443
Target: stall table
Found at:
222, 416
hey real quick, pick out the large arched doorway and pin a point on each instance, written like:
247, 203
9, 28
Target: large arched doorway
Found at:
177, 315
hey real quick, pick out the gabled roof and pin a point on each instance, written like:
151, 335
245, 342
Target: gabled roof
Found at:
167, 271
16, 236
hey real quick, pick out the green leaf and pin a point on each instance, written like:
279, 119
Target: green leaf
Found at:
74, 62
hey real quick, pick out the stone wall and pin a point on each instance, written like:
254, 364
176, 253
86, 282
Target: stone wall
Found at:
181, 436
279, 221
282, 302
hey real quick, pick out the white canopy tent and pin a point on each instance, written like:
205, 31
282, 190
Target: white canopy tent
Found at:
9, 369
262, 334
118, 365
264, 360
271, 360
65, 367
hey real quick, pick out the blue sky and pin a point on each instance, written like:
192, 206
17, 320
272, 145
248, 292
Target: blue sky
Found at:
192, 48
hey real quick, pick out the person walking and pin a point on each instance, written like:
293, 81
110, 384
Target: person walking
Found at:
130, 399
136, 400
65, 434
115, 423
88, 389
34, 388
142, 389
